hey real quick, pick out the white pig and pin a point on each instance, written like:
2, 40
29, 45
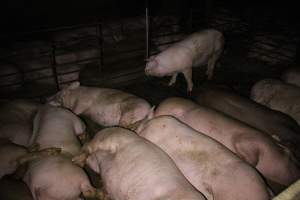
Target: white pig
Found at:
12, 157
253, 146
57, 127
200, 48
107, 107
57, 178
278, 96
134, 168
280, 126
212, 168
16, 121
291, 76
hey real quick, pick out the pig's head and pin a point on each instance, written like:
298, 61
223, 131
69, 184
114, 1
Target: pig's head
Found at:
263, 91
59, 97
152, 67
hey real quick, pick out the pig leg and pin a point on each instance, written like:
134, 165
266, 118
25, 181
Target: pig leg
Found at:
210, 67
211, 64
173, 79
188, 77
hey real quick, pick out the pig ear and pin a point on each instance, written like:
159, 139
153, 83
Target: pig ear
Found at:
73, 85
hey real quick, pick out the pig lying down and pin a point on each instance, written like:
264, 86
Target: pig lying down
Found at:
16, 121
107, 107
12, 157
57, 178
212, 168
278, 96
134, 168
253, 146
9, 155
57, 127
200, 48
280, 126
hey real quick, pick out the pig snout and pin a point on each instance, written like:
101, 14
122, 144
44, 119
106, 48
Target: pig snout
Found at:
151, 67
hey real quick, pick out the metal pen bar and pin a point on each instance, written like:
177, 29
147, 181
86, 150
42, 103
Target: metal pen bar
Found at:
147, 28
53, 66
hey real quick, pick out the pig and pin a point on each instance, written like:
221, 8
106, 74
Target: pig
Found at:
13, 156
207, 164
16, 118
278, 96
57, 127
9, 155
55, 177
253, 146
199, 48
134, 168
105, 106
280, 126
291, 76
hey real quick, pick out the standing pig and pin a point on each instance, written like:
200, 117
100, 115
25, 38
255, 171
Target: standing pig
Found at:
280, 126
291, 76
134, 168
200, 48
107, 107
278, 96
208, 165
16, 121
253, 146
57, 178
57, 127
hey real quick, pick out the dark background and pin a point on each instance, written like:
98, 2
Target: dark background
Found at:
19, 15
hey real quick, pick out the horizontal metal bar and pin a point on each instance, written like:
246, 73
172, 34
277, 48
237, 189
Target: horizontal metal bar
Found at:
78, 61
61, 28
69, 72
11, 84
39, 78
10, 74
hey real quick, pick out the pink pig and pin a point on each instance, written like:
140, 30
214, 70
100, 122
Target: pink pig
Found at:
212, 168
105, 106
16, 121
200, 48
134, 168
253, 146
